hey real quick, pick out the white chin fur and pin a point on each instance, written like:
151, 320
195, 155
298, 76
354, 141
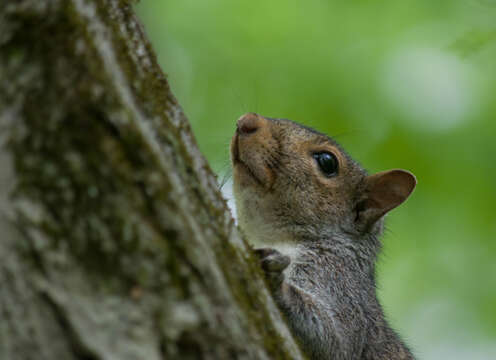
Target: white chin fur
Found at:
260, 232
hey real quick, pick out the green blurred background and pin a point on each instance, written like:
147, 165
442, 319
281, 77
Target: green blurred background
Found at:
405, 84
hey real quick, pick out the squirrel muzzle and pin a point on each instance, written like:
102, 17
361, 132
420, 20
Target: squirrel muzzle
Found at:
252, 151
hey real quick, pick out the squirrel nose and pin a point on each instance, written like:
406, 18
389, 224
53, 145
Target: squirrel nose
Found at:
249, 123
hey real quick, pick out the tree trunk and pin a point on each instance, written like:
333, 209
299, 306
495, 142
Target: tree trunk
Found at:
115, 241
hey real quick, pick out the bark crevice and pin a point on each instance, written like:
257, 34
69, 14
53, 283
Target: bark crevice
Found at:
124, 247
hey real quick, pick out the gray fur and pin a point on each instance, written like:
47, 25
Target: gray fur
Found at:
318, 252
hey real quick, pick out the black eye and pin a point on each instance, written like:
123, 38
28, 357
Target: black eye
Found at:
327, 163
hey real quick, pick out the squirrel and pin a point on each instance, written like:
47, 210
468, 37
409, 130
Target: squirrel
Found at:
316, 216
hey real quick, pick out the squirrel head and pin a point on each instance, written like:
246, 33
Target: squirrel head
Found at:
292, 183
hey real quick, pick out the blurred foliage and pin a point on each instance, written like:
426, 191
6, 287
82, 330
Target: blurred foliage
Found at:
473, 41
405, 84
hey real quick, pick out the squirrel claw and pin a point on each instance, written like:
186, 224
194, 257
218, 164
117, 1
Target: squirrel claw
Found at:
262, 253
275, 263
272, 260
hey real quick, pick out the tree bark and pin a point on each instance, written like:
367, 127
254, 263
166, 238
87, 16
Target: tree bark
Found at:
115, 242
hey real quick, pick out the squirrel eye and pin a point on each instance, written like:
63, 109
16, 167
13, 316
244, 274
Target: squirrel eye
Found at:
327, 162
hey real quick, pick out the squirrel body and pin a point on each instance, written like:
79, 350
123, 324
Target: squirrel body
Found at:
315, 217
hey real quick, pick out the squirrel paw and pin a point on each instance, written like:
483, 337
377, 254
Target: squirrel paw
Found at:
273, 263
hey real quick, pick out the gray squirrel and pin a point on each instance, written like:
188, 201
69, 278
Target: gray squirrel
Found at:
316, 216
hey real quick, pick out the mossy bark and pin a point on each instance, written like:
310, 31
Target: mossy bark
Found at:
115, 242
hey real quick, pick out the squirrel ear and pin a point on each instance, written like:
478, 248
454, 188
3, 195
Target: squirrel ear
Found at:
383, 192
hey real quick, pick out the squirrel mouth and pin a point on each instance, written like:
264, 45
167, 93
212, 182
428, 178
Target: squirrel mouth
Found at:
241, 165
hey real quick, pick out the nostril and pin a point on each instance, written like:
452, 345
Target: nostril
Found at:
248, 124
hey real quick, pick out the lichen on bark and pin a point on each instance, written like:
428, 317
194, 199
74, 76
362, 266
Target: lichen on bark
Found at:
116, 243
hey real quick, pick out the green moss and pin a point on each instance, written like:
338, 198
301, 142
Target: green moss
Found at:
246, 292
106, 204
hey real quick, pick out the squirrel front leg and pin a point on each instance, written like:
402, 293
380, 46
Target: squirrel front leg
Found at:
312, 321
